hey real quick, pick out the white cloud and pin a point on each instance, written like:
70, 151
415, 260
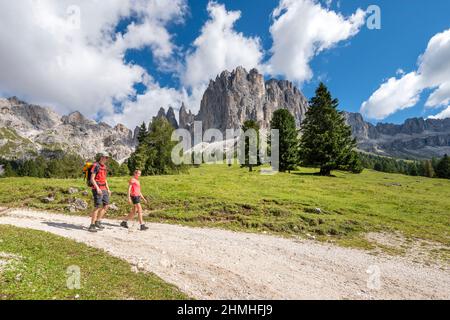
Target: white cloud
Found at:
47, 59
400, 72
219, 47
301, 30
442, 115
148, 105
393, 95
433, 73
440, 97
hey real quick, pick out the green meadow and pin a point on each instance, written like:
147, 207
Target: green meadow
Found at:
38, 264
283, 204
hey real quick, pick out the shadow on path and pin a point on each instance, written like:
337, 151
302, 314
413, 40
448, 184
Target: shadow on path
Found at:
65, 226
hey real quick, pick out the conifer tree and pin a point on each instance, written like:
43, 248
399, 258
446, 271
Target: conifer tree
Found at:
443, 168
428, 169
284, 121
326, 140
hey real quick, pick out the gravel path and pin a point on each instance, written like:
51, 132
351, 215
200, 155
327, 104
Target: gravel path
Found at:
218, 264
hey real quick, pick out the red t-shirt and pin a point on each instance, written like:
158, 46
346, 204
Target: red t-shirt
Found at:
100, 171
135, 187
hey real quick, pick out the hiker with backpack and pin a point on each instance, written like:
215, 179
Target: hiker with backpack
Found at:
96, 179
134, 198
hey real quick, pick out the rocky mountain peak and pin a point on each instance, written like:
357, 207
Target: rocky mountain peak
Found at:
34, 130
172, 118
186, 118
169, 116
17, 114
76, 118
120, 128
161, 113
237, 96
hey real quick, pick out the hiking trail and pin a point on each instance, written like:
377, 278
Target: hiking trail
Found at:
218, 264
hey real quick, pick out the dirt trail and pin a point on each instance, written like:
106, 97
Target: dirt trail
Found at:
218, 264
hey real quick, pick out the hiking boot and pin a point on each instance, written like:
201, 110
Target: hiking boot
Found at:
98, 225
124, 224
92, 228
144, 227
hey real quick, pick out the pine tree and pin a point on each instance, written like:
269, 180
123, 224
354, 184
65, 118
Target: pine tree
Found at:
124, 170
154, 154
284, 121
435, 162
142, 133
113, 168
378, 167
428, 169
8, 170
138, 158
326, 140
443, 168
412, 169
250, 159
159, 151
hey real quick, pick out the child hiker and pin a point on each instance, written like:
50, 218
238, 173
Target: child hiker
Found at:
134, 197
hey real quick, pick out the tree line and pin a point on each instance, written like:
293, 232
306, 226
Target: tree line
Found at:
66, 166
434, 168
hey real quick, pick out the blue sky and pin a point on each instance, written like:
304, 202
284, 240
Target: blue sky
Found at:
121, 60
354, 69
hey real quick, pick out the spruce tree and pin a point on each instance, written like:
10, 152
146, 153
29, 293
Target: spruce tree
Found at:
378, 167
159, 149
154, 154
412, 169
142, 133
428, 169
284, 121
138, 158
443, 168
326, 140
124, 170
8, 170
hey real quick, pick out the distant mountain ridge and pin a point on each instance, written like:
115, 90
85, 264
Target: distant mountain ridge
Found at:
27, 131
416, 138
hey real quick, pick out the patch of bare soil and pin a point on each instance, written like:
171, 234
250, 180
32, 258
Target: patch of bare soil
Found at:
416, 250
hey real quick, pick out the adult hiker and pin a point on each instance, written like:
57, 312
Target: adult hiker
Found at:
134, 198
100, 191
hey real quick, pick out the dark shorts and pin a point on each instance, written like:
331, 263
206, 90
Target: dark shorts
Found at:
136, 200
101, 199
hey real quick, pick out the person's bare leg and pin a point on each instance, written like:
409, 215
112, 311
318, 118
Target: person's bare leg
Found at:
102, 213
94, 215
131, 215
140, 217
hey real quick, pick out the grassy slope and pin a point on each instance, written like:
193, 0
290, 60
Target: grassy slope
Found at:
235, 199
41, 271
14, 144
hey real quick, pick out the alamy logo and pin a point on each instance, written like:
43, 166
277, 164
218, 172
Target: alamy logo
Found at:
250, 147
374, 17
73, 281
374, 280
